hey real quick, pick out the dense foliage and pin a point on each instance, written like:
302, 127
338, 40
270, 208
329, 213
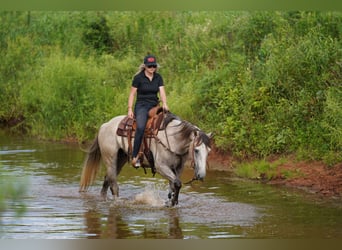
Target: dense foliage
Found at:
264, 82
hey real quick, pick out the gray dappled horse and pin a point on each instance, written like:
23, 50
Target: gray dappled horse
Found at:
171, 147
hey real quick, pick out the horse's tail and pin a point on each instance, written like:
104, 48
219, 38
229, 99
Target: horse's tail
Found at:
91, 166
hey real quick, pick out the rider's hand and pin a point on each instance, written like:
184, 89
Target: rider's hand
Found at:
130, 113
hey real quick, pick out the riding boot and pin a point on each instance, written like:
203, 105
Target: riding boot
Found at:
136, 162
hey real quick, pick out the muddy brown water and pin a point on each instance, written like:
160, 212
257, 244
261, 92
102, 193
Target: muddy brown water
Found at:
220, 207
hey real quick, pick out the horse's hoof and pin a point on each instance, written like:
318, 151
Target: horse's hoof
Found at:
171, 203
104, 197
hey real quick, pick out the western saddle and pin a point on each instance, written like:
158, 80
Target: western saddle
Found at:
127, 128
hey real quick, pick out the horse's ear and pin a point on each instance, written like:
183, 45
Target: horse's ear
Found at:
210, 135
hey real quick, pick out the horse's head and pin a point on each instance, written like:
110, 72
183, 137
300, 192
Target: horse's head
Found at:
186, 134
200, 150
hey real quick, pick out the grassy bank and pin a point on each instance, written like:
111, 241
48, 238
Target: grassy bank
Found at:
264, 82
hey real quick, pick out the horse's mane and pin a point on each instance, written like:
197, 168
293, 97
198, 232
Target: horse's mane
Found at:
186, 128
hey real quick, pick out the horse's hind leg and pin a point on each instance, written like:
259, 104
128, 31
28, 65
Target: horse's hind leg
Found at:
110, 179
113, 169
109, 182
106, 184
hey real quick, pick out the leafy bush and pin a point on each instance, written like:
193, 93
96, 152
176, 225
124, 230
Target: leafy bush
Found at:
263, 82
70, 98
18, 59
98, 37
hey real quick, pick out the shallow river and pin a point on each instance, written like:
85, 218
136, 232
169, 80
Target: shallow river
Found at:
220, 207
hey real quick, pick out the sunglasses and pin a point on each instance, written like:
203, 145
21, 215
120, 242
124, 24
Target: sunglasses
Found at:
152, 66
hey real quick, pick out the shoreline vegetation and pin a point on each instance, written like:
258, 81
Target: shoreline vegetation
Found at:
266, 83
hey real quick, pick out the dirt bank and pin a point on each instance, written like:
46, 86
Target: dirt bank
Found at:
312, 176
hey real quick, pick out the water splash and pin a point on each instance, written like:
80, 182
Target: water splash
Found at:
150, 196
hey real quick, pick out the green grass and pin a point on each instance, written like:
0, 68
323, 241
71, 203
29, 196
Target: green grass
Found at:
259, 169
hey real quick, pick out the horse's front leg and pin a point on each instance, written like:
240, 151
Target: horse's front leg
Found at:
175, 187
173, 176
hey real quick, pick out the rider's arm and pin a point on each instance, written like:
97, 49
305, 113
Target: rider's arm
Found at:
131, 100
163, 98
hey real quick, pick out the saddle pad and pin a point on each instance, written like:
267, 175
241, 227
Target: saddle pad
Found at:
125, 126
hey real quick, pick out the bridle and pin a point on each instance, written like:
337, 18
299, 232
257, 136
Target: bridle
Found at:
196, 142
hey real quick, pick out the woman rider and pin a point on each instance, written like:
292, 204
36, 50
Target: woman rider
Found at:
146, 84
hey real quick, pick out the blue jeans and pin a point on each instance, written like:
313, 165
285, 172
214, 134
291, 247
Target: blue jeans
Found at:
141, 116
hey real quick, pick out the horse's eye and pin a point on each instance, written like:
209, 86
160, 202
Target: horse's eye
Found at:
196, 151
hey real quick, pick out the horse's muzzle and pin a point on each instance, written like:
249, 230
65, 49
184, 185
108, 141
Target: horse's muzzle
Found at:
199, 177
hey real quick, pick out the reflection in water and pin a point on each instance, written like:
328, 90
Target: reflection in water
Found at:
219, 207
175, 231
143, 215
117, 225
200, 215
93, 224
